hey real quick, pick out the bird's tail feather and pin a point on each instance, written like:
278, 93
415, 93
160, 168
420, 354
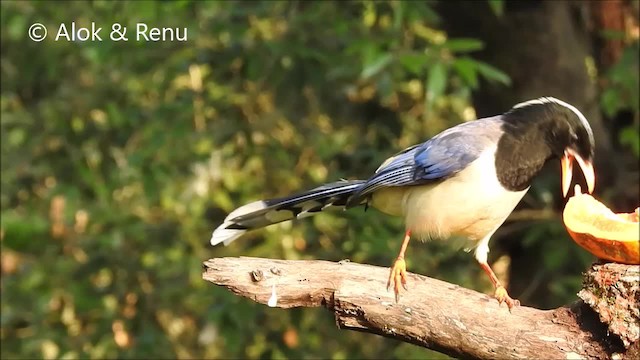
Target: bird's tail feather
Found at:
263, 213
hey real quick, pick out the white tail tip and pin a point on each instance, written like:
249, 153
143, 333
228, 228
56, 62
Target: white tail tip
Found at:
223, 235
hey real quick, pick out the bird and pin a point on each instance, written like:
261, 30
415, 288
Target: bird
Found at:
463, 182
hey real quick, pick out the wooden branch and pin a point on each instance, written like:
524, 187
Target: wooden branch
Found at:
433, 314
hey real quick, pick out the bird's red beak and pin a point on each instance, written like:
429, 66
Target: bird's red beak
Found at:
567, 171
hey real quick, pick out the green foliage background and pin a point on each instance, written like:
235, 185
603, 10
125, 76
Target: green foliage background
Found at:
120, 158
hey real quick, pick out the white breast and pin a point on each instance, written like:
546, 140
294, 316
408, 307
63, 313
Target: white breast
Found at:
472, 204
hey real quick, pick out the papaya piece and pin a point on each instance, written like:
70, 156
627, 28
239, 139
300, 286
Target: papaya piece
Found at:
597, 229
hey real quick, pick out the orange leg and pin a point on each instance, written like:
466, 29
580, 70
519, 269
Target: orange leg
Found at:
501, 293
398, 273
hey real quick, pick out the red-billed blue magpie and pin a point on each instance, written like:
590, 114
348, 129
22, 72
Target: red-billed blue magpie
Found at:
465, 181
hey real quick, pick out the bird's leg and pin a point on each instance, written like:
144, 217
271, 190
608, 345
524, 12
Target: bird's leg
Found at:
501, 293
398, 273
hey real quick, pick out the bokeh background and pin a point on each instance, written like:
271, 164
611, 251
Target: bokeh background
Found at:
120, 158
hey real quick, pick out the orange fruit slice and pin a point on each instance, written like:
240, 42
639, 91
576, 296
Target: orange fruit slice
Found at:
605, 234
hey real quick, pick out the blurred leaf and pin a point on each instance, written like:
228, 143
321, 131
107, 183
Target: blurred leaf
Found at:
436, 83
466, 68
413, 62
610, 102
24, 234
497, 7
491, 73
460, 45
631, 137
622, 92
376, 66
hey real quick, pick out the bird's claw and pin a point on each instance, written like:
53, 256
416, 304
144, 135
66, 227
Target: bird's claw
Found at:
502, 296
398, 275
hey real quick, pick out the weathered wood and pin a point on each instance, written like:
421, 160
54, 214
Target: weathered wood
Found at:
617, 306
433, 314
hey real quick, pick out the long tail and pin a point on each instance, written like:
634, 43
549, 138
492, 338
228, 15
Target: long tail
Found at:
263, 213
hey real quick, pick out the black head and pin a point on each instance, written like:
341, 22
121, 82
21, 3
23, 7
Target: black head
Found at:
561, 124
542, 129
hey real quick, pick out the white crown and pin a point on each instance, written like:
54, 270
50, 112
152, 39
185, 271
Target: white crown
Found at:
548, 99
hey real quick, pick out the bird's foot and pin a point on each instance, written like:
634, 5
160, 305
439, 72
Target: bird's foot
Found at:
398, 275
502, 296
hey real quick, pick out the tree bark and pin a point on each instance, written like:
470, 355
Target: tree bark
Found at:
434, 314
617, 306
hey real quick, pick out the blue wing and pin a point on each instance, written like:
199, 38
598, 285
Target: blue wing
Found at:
437, 159
444, 156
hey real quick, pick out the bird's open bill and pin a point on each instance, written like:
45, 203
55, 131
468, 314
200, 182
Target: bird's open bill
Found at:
567, 171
